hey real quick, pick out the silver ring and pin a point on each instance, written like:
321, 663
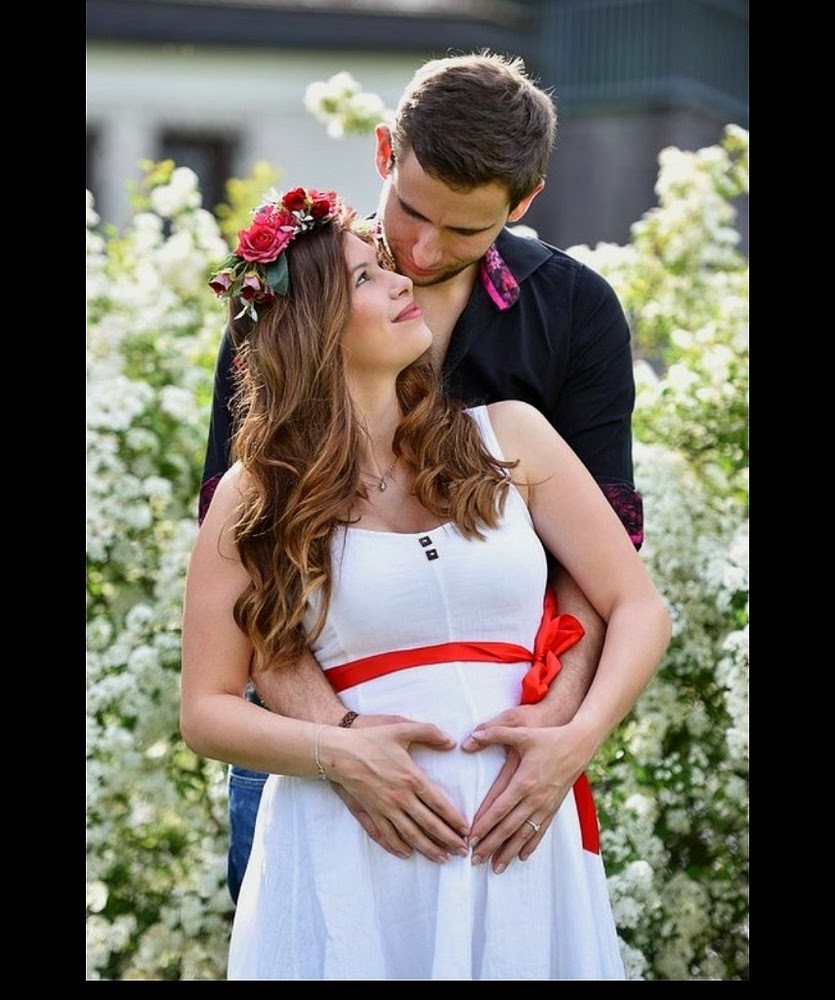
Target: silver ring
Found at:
534, 824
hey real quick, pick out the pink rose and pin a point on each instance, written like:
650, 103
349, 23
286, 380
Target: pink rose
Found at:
285, 220
250, 286
263, 242
221, 281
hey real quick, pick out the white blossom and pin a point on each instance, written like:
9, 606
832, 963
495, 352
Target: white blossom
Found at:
180, 194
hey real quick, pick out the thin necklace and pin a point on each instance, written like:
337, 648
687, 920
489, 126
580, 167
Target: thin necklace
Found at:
382, 481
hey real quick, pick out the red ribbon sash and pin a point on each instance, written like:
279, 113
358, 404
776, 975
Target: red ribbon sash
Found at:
556, 634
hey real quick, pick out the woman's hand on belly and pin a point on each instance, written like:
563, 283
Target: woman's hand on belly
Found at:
391, 798
542, 765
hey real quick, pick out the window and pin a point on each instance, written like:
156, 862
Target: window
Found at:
209, 155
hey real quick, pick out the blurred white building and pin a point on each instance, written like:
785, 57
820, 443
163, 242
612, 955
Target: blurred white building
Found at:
219, 84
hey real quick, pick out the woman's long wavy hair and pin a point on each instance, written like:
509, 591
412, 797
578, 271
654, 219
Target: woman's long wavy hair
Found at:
298, 437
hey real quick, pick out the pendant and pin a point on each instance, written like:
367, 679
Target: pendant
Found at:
383, 486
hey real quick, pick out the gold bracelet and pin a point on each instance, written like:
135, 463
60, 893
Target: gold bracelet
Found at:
322, 776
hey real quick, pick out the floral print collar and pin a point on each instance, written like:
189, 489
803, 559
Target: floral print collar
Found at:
497, 280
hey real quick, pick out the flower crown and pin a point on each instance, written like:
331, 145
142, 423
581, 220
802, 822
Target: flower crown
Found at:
257, 270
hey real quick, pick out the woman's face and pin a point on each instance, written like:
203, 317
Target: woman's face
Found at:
386, 331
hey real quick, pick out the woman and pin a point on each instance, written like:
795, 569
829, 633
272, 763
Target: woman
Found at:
370, 522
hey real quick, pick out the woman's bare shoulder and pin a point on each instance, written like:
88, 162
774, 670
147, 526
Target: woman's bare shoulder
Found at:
512, 413
526, 436
226, 498
518, 424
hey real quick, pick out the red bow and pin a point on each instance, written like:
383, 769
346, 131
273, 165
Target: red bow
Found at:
557, 633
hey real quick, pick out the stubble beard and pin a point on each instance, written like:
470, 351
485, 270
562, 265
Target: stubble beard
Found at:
438, 279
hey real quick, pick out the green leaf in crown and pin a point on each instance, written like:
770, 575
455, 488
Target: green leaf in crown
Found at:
278, 276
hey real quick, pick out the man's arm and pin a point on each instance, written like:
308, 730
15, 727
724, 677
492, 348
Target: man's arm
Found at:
300, 691
579, 662
218, 444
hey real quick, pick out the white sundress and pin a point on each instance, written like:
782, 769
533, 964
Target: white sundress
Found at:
320, 900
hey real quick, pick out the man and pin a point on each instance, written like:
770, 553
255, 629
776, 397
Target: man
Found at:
511, 318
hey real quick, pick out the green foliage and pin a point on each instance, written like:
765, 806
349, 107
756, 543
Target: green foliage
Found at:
243, 196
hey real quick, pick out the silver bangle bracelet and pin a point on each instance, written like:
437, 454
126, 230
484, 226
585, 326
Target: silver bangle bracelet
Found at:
322, 776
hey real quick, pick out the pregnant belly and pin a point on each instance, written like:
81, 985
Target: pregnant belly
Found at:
455, 697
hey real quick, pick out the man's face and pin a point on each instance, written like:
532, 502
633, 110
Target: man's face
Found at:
433, 231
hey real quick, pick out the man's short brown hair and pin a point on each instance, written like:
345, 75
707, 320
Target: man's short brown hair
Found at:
475, 119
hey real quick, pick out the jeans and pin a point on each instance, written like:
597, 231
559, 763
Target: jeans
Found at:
245, 789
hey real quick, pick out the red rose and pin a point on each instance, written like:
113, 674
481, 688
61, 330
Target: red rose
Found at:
295, 200
263, 242
324, 203
320, 209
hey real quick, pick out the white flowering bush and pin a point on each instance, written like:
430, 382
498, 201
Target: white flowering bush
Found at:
157, 901
343, 107
671, 786
673, 783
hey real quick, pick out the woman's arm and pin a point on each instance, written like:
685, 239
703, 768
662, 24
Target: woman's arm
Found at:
578, 525
373, 764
